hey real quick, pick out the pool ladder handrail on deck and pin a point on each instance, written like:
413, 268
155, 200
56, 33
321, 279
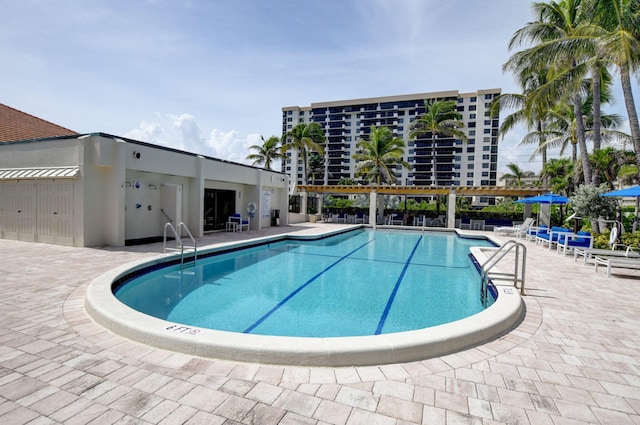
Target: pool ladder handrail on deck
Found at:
180, 246
518, 274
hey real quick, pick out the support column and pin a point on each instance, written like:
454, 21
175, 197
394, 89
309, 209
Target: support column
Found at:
451, 210
303, 204
372, 207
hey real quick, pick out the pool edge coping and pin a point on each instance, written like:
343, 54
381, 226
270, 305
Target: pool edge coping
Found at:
101, 305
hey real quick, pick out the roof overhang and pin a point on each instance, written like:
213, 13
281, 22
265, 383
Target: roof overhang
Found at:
39, 173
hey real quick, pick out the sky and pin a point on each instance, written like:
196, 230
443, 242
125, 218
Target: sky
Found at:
212, 76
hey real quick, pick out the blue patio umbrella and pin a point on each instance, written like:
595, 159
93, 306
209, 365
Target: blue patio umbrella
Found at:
630, 191
633, 192
547, 198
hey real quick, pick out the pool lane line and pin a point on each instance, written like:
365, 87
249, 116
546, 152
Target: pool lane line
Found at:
301, 287
392, 297
376, 260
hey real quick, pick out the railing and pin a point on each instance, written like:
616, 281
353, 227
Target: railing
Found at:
519, 266
180, 246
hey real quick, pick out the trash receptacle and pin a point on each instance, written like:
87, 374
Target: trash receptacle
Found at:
275, 217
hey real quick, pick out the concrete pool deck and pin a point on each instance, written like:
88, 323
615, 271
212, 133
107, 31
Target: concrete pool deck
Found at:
574, 359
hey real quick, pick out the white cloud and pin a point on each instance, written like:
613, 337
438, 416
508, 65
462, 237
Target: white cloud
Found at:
183, 132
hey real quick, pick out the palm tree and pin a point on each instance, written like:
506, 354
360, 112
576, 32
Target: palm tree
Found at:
618, 34
316, 166
304, 138
440, 118
532, 114
266, 153
516, 176
378, 156
557, 173
555, 34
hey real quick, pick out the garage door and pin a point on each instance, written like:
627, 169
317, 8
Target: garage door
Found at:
37, 209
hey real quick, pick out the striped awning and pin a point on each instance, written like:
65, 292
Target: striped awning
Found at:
39, 173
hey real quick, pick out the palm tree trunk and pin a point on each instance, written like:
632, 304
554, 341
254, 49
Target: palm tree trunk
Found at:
434, 178
582, 143
596, 118
631, 111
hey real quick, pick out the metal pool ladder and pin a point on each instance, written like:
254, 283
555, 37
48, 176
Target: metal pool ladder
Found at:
516, 277
180, 246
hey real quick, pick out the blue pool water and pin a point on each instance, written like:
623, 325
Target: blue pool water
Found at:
363, 282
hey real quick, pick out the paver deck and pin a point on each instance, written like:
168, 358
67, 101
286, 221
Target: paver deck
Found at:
574, 359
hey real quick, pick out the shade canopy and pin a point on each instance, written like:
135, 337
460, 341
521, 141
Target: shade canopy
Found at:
548, 198
630, 191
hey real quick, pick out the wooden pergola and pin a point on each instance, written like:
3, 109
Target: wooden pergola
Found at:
450, 191
428, 190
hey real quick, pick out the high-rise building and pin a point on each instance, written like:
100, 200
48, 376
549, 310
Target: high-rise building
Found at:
456, 163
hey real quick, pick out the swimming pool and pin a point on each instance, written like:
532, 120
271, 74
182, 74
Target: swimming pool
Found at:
385, 344
364, 282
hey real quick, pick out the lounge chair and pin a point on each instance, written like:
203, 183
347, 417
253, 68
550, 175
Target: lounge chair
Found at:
567, 243
341, 218
531, 233
551, 237
395, 219
589, 252
359, 218
625, 263
517, 230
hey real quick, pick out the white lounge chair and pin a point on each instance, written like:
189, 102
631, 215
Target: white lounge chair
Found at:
517, 230
625, 263
588, 253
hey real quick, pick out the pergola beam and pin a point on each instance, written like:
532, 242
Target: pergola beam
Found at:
428, 190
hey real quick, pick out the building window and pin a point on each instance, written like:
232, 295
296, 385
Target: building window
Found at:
469, 182
471, 149
487, 131
485, 165
471, 124
473, 99
485, 174
485, 156
471, 157
472, 107
472, 132
488, 96
472, 116
486, 148
469, 166
469, 174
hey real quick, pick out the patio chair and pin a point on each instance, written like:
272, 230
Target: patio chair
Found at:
567, 243
341, 218
533, 231
239, 221
588, 253
516, 230
395, 219
619, 262
551, 237
477, 224
359, 218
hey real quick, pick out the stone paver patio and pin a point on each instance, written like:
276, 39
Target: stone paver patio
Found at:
574, 359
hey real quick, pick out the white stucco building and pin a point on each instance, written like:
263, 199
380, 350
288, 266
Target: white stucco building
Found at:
98, 189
